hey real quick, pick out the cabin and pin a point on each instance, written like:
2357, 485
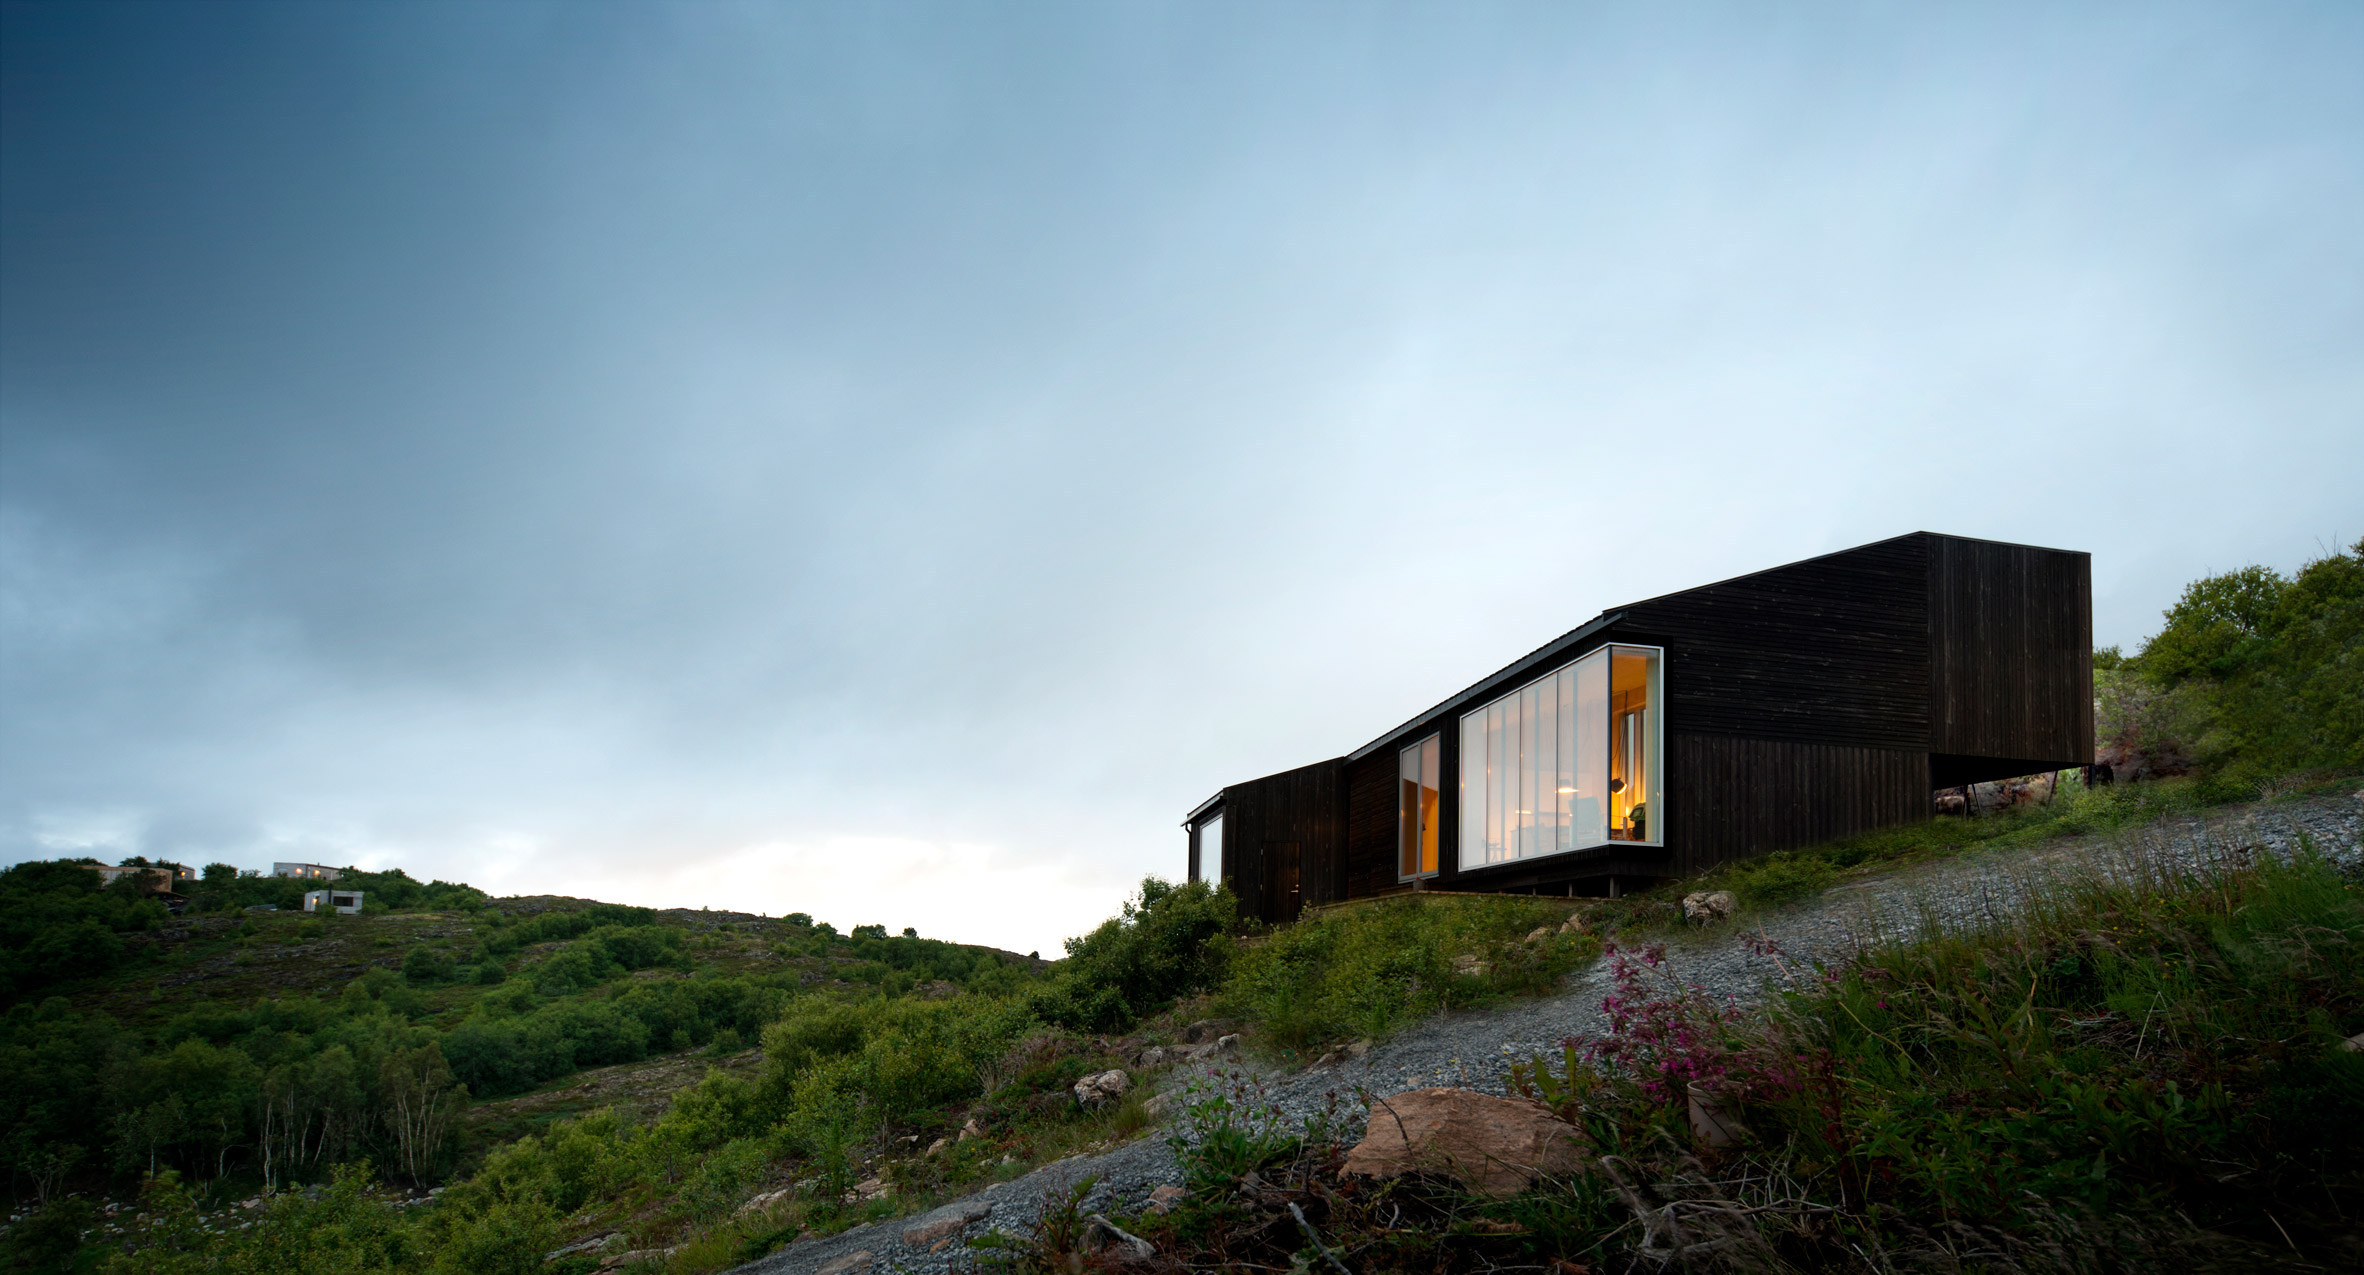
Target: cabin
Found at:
1795, 705
345, 901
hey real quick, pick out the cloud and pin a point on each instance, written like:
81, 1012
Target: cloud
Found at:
892, 469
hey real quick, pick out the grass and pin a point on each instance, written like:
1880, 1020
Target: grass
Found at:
1367, 969
1786, 876
2145, 1071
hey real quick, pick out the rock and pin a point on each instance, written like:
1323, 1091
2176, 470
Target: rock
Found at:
1469, 966
1162, 1200
585, 1245
1573, 925
937, 1147
969, 1129
1708, 907
1102, 1089
1159, 1103
1496, 1146
633, 1257
1709, 1121
850, 1262
2353, 1044
1539, 934
947, 1221
766, 1200
1359, 1048
1154, 1056
1103, 1236
872, 1188
1225, 1047
1207, 1029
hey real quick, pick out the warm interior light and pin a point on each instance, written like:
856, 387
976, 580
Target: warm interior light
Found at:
1567, 790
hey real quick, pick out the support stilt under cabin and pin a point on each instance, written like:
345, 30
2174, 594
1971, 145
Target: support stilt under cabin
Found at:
1811, 701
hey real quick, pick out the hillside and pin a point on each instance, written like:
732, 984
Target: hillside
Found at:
452, 1082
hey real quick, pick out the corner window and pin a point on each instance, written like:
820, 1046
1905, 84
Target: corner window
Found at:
1210, 848
1566, 762
1416, 807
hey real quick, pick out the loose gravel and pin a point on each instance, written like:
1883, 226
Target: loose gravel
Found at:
1740, 960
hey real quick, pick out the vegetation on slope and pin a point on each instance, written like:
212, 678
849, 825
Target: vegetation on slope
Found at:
442, 1037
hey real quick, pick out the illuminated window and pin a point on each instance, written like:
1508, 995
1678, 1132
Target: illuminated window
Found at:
1566, 762
1416, 807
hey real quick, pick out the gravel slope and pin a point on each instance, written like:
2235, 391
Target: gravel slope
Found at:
1475, 1049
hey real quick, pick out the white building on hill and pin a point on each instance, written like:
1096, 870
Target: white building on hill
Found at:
308, 871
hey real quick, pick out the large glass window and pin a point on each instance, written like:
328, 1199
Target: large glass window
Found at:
1210, 848
1422, 765
1633, 742
1564, 762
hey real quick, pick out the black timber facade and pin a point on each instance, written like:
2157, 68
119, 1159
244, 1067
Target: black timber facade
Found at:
1810, 701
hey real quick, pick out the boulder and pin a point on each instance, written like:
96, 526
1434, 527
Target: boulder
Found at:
766, 1200
1162, 1200
937, 1147
950, 1220
1495, 1146
1539, 934
850, 1262
969, 1129
1159, 1104
1706, 907
1573, 925
1102, 1088
1106, 1237
1469, 966
1222, 1047
1207, 1029
2353, 1044
589, 1244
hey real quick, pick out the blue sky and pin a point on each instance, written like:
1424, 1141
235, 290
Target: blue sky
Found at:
891, 461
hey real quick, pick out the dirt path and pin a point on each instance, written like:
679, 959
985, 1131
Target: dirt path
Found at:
1475, 1049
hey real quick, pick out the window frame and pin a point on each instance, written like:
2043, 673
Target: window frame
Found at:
1437, 739
1476, 801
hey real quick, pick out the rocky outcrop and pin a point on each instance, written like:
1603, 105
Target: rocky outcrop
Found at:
924, 1231
1495, 1146
1102, 1088
1706, 907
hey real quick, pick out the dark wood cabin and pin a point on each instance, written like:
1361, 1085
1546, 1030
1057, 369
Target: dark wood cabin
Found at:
1810, 701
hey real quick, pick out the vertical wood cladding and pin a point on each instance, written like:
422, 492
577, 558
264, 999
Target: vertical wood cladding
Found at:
1810, 701
1746, 797
2011, 651
1371, 828
1303, 808
1832, 650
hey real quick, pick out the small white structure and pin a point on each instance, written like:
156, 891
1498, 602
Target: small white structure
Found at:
308, 871
345, 901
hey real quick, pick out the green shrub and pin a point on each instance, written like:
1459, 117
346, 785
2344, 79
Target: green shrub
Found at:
1168, 942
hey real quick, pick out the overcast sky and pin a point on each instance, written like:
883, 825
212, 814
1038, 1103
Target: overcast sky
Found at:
891, 461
